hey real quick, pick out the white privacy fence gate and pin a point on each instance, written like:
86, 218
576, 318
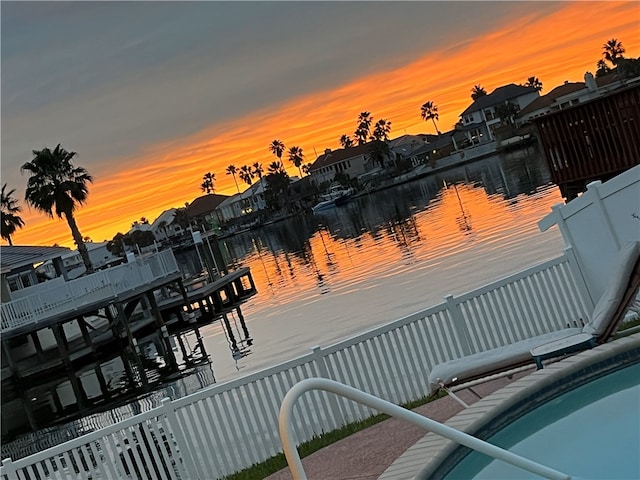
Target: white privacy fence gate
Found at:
228, 427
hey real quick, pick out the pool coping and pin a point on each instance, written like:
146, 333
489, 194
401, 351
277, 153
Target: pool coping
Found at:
425, 457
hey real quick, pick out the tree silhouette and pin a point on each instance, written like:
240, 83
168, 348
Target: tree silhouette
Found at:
208, 181
296, 156
9, 210
232, 170
379, 151
534, 82
381, 130
277, 148
477, 91
602, 68
275, 167
429, 111
246, 174
612, 51
55, 184
306, 168
364, 127
346, 141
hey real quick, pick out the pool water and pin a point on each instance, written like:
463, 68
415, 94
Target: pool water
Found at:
591, 432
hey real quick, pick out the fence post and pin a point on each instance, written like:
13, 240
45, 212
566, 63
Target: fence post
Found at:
169, 411
8, 469
458, 322
594, 189
323, 371
578, 275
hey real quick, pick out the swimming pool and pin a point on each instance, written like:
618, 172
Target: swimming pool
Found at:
577, 402
592, 431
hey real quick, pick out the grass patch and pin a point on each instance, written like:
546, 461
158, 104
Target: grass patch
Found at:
278, 462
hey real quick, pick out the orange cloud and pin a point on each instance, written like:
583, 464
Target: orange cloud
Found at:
560, 46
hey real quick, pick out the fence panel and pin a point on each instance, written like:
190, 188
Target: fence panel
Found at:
225, 428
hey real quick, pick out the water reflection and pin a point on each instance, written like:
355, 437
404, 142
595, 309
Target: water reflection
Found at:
383, 255
440, 208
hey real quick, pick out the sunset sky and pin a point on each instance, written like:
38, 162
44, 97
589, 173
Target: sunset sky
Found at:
153, 95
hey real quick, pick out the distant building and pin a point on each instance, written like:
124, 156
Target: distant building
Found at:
352, 161
73, 264
18, 266
203, 210
166, 226
406, 146
486, 113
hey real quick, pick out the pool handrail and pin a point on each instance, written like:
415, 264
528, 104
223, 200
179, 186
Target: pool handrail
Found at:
295, 463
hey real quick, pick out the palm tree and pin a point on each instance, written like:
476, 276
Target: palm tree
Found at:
296, 156
258, 171
9, 210
246, 174
379, 151
275, 168
306, 168
231, 170
613, 51
534, 82
56, 184
346, 141
429, 111
477, 91
381, 130
364, 127
602, 68
277, 148
208, 181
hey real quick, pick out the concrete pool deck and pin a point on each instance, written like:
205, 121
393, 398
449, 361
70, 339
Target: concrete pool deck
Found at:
366, 455
396, 450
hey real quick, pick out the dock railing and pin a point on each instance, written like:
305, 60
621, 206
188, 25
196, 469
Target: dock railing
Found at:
60, 297
227, 427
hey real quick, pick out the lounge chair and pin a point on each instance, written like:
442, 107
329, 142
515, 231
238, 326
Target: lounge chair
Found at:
608, 313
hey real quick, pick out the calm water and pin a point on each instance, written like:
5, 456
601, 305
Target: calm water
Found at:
606, 414
324, 277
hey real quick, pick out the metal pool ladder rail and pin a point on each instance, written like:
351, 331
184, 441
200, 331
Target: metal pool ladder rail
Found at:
337, 388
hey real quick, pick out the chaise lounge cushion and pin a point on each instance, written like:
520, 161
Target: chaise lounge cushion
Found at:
495, 360
606, 311
610, 300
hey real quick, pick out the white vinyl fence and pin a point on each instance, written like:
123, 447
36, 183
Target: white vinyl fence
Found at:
227, 427
598, 223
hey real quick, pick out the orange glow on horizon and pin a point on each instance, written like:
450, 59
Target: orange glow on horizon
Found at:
555, 48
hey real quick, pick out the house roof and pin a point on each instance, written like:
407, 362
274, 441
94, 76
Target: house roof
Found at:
498, 96
333, 156
13, 257
549, 98
205, 204
167, 217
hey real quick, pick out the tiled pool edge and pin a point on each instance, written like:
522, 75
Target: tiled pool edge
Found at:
426, 455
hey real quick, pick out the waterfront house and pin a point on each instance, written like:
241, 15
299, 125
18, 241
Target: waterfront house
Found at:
18, 269
407, 146
244, 203
203, 211
99, 255
489, 111
353, 162
166, 226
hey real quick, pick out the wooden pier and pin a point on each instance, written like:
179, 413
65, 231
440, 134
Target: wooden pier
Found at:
75, 346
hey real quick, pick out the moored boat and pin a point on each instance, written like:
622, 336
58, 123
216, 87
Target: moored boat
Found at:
337, 196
